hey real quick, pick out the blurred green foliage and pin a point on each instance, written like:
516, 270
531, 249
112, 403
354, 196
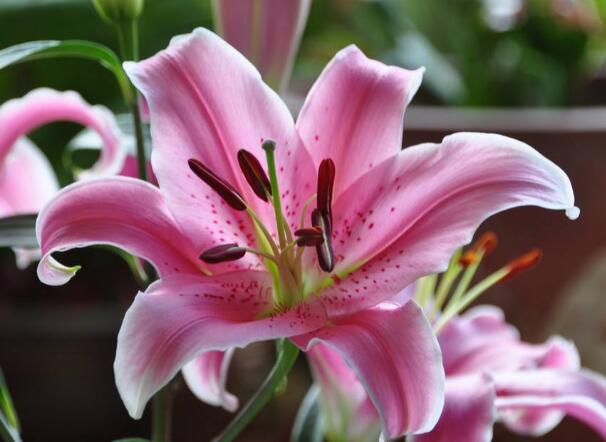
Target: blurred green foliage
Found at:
544, 56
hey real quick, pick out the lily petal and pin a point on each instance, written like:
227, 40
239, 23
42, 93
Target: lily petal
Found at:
119, 211
267, 32
348, 412
395, 355
481, 341
206, 377
354, 113
406, 217
41, 106
27, 180
469, 412
181, 317
534, 401
27, 183
207, 102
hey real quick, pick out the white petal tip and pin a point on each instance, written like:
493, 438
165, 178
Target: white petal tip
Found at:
52, 272
573, 212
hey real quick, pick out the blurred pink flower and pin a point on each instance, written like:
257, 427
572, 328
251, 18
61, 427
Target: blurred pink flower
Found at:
491, 375
267, 32
27, 180
397, 215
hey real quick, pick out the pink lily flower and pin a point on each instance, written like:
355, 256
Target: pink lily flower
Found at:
267, 32
237, 257
493, 375
27, 180
490, 373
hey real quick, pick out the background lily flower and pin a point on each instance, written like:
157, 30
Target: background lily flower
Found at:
220, 232
493, 375
267, 32
27, 180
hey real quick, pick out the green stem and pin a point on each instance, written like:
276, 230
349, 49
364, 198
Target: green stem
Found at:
128, 40
287, 355
161, 415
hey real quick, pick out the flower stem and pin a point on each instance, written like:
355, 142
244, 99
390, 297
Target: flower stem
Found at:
128, 40
162, 415
287, 355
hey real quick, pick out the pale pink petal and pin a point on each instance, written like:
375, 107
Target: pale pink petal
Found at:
395, 355
25, 257
42, 106
27, 180
27, 183
534, 401
123, 212
481, 341
181, 317
267, 32
354, 114
206, 377
347, 410
207, 102
469, 412
406, 217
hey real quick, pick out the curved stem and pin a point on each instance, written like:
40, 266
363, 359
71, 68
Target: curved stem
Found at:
287, 355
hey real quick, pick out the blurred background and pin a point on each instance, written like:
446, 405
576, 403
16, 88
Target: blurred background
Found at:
532, 69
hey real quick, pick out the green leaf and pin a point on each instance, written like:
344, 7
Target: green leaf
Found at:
308, 425
9, 423
18, 231
36, 50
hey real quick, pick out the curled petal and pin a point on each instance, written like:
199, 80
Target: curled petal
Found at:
267, 32
122, 212
469, 411
354, 113
206, 377
207, 102
42, 106
395, 355
534, 401
406, 217
481, 341
182, 317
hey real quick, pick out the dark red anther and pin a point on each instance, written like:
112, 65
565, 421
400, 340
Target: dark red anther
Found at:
326, 257
309, 237
223, 253
326, 181
223, 188
254, 174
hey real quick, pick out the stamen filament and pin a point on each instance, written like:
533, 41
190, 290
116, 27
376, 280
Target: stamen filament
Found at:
260, 253
304, 210
425, 289
468, 275
269, 147
446, 282
261, 226
454, 308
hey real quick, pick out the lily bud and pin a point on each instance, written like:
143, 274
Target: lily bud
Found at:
119, 11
